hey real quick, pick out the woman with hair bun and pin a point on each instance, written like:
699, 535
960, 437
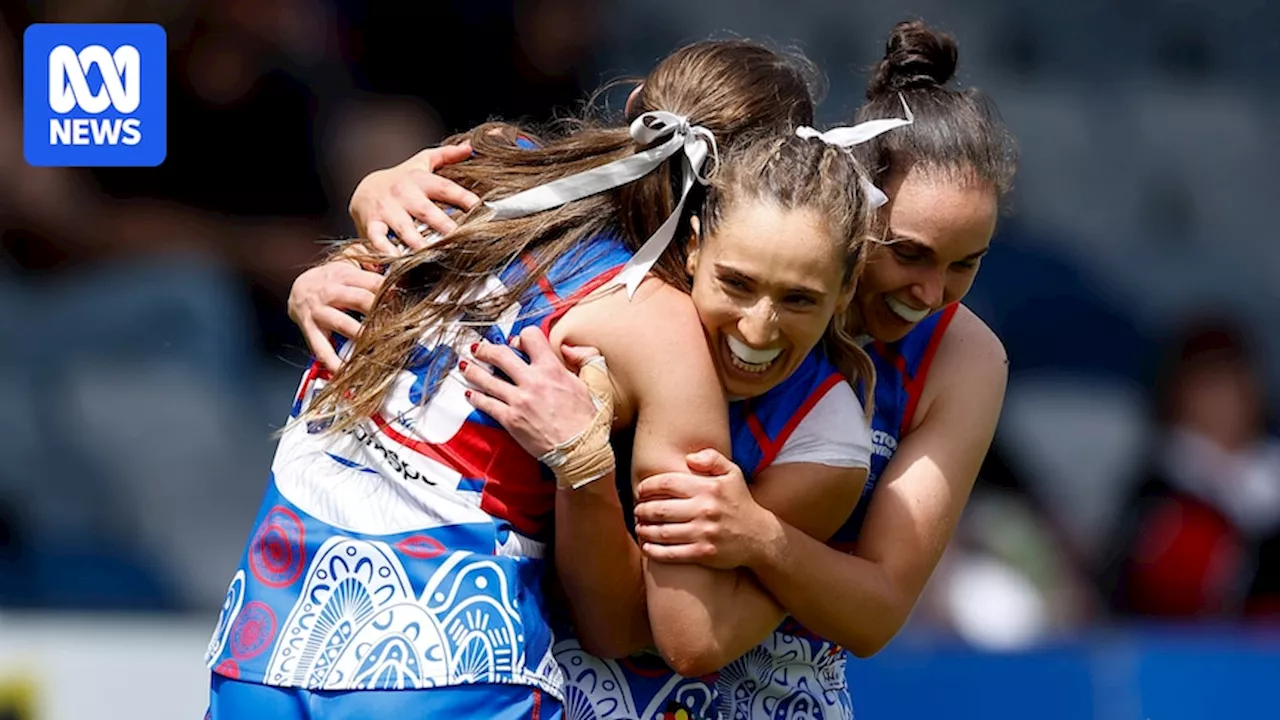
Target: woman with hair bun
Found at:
940, 381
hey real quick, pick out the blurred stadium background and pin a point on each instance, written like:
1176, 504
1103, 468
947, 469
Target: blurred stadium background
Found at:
146, 357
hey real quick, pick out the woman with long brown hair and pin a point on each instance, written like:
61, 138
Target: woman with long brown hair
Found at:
397, 559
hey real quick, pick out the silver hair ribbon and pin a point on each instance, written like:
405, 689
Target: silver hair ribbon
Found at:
697, 143
851, 135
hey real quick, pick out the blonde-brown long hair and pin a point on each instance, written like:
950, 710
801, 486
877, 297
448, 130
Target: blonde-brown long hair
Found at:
734, 88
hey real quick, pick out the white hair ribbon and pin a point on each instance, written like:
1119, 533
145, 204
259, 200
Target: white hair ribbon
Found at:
851, 135
697, 143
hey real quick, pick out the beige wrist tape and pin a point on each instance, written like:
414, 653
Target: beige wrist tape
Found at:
587, 456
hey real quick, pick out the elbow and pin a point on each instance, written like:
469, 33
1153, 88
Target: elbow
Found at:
869, 646
614, 640
692, 657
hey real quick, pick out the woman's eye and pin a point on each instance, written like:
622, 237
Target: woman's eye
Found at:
906, 253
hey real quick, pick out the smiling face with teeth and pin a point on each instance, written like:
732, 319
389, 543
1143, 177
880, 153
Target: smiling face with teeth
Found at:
765, 284
936, 231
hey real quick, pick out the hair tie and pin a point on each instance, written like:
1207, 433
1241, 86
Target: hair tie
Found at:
695, 141
848, 136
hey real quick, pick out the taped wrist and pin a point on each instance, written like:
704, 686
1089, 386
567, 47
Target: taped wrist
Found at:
587, 456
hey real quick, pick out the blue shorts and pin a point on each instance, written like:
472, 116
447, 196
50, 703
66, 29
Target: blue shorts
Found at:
235, 700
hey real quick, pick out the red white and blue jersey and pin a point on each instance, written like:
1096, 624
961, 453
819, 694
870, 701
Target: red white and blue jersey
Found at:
902, 368
408, 553
759, 427
792, 673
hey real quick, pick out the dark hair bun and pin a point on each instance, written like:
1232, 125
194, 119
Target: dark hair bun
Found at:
914, 57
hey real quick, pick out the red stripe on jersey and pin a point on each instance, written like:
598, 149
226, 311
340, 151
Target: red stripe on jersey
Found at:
514, 489
767, 450
543, 284
915, 385
564, 305
775, 447
315, 372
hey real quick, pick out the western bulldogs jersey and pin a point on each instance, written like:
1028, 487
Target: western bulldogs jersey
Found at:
407, 553
792, 673
901, 371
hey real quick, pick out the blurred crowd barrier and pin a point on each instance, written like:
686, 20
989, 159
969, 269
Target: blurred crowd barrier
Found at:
1152, 673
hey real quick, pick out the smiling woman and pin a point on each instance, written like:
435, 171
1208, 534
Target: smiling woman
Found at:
936, 233
774, 255
945, 175
773, 260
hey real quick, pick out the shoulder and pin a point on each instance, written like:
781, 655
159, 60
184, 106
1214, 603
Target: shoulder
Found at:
651, 340
969, 338
833, 432
969, 350
657, 312
839, 405
970, 366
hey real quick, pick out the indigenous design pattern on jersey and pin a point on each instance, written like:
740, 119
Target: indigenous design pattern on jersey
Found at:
407, 553
792, 674
901, 371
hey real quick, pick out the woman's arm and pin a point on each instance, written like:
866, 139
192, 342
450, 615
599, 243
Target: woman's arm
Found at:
862, 600
321, 298
813, 484
394, 199
544, 407
668, 387
711, 520
714, 518
401, 198
816, 497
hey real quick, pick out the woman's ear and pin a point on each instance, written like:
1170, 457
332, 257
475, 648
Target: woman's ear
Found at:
694, 246
631, 99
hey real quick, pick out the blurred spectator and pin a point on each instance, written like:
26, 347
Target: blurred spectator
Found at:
1006, 581
477, 59
172, 279
1199, 536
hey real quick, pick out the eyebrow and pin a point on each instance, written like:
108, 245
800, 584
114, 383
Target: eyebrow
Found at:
722, 269
901, 239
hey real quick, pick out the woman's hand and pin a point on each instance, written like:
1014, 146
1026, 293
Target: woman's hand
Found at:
542, 404
403, 199
707, 517
319, 299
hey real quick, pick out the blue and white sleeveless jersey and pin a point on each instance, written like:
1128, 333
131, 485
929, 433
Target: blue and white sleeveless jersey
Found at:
409, 552
901, 371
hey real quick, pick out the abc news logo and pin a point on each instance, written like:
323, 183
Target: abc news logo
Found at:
69, 89
94, 95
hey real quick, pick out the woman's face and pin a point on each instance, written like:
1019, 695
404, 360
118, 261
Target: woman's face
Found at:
936, 231
766, 285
